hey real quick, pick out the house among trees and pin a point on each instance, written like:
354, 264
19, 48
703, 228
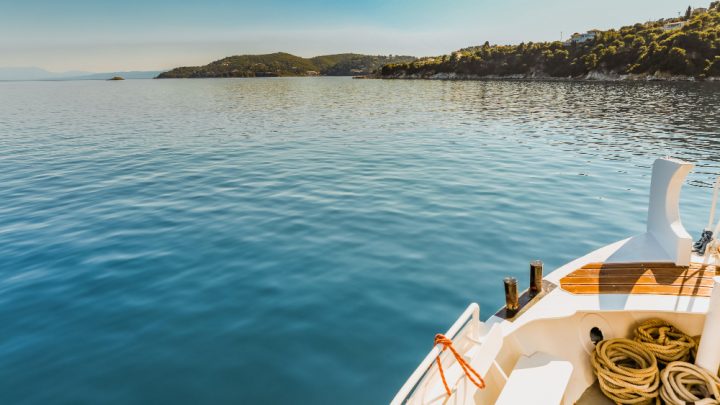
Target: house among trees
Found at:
641, 50
699, 10
673, 25
582, 38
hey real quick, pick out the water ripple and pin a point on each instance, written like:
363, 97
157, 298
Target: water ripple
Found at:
185, 241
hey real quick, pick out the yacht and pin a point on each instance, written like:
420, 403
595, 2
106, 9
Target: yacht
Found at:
570, 337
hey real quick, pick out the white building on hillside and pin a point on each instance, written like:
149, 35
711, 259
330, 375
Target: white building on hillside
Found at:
582, 38
673, 26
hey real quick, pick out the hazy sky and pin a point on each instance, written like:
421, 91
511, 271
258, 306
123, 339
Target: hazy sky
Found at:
100, 35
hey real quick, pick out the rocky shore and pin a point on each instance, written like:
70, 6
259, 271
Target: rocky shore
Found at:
591, 76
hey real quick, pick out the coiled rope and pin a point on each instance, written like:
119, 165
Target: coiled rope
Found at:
665, 341
626, 370
628, 373
684, 383
470, 372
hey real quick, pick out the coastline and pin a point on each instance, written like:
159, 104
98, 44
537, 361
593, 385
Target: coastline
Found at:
593, 76
678, 49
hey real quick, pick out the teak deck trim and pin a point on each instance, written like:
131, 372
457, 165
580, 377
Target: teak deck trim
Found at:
641, 278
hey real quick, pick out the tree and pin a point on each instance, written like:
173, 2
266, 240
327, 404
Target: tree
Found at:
677, 62
590, 61
641, 48
713, 67
638, 42
688, 13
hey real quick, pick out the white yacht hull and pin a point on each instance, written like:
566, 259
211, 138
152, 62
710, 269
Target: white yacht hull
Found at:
525, 358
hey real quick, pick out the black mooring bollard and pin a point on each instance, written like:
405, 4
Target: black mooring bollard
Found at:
536, 277
511, 295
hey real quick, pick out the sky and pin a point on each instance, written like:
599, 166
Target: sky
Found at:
103, 36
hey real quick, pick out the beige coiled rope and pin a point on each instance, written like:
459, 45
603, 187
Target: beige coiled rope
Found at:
627, 371
665, 341
684, 383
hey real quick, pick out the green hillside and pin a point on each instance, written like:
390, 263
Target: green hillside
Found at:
687, 46
350, 64
285, 64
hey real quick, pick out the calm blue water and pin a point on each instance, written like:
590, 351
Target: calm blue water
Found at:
302, 240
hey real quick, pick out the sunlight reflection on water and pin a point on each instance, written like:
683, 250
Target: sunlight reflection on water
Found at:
185, 241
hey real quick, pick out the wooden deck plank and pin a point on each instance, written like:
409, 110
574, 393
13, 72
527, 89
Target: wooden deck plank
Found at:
647, 279
639, 272
637, 289
627, 265
641, 278
657, 265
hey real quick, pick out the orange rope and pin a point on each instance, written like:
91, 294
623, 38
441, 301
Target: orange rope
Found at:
469, 371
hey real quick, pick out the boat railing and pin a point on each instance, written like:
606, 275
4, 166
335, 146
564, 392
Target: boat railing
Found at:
470, 317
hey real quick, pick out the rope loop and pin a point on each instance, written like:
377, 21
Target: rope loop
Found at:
684, 383
665, 341
470, 372
626, 370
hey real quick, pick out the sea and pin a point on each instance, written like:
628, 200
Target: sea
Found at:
301, 240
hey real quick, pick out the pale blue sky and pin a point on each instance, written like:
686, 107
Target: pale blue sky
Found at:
105, 35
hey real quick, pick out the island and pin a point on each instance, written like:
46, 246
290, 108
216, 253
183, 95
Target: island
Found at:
116, 78
684, 48
285, 64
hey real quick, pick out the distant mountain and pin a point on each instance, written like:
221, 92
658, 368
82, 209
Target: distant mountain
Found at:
352, 64
135, 74
36, 73
285, 64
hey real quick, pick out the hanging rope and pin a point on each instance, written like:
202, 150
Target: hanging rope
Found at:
470, 372
707, 234
685, 383
713, 247
665, 341
627, 371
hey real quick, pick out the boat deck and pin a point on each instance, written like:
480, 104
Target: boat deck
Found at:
695, 280
594, 396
